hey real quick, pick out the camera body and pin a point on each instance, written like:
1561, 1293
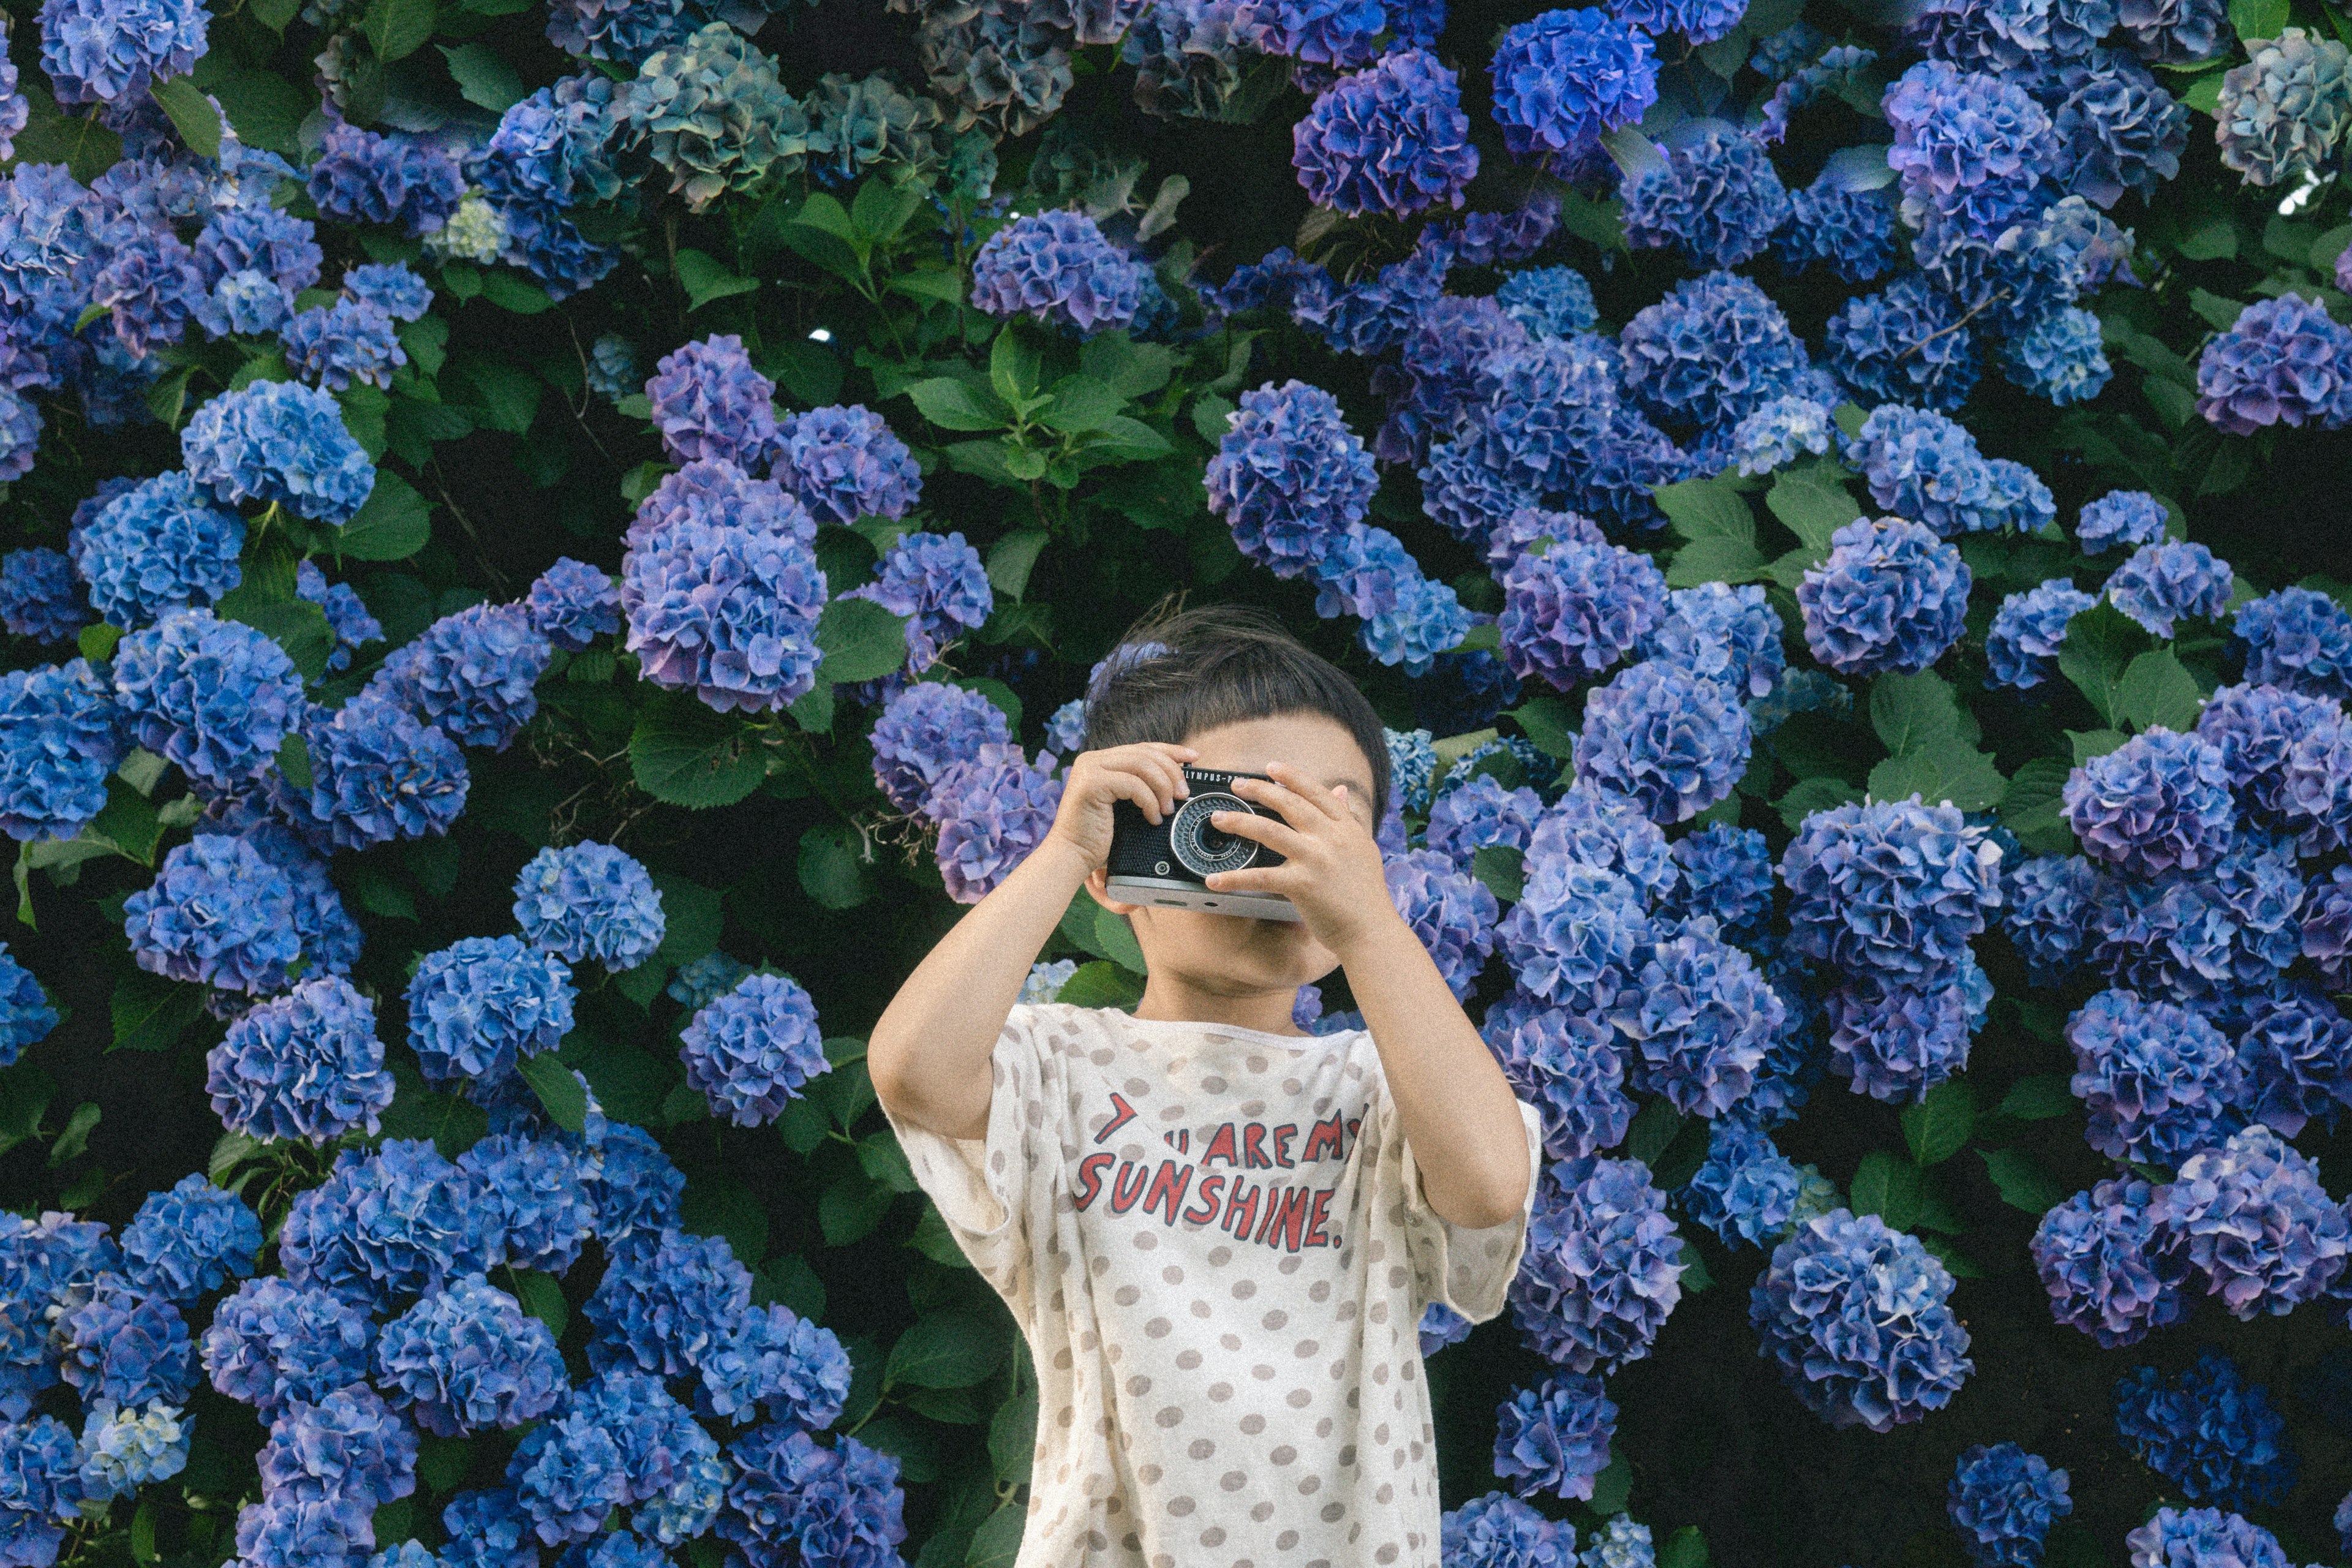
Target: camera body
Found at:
1168, 866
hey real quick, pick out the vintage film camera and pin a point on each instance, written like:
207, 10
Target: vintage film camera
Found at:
1166, 866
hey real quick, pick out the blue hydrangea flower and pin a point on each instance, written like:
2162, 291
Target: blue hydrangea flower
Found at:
1666, 739
271, 1342
775, 1360
1565, 78
1392, 139
1602, 1266
2209, 1432
1548, 301
2112, 1268
1891, 596
1437, 373
726, 612
1710, 353
279, 441
842, 1503
753, 1050
478, 1006
1046, 979
190, 1241
1499, 1531
390, 287
709, 401
664, 1302
306, 1065
1892, 889
689, 1505
2004, 1501
1619, 1544
2159, 802
474, 674
2120, 517
1479, 815
717, 491
1923, 466
612, 367
1905, 344
2254, 1220
2203, 1537
572, 604
96, 52
1896, 1041
126, 1344
1770, 437
217, 914
1054, 266
377, 774
1715, 201
2163, 582
991, 812
2156, 1080
363, 177
349, 340
1858, 1318
347, 615
348, 1452
1555, 1438
1571, 936
48, 1266
659, 1441
2283, 360
466, 1359
26, 1016
1604, 831
2296, 1057
1319, 32
589, 901
1567, 1063
1452, 912
61, 737
2059, 357
399, 1222
637, 1188
1701, 1018
1727, 876
1407, 620
38, 596
162, 546
925, 730
1850, 231
217, 697
2298, 639
940, 584
844, 463
2048, 901
1729, 636
1968, 145
1289, 476
1574, 609
488, 1530
546, 1205
1745, 1190
2029, 629
124, 1448
2275, 744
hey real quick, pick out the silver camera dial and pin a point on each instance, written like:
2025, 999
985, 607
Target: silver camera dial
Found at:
1202, 848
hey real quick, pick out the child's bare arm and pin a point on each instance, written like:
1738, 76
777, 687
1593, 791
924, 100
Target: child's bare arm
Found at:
928, 1054
1459, 1114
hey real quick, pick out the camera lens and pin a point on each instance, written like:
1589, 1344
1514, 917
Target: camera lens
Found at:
1203, 849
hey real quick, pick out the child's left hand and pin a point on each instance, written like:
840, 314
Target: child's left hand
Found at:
1332, 862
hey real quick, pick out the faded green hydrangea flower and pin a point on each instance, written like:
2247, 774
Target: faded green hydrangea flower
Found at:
858, 123
475, 232
713, 113
1004, 70
2284, 113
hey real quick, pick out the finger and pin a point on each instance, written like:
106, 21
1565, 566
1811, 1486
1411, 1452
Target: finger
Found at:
1295, 808
1127, 786
1166, 784
1280, 880
1280, 837
1325, 800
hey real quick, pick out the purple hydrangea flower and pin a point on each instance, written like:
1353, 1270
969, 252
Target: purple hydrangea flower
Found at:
2156, 1081
991, 811
377, 773
753, 1050
2029, 629
2163, 582
1715, 201
1392, 139
1745, 1190
1924, 465
1289, 476
940, 584
1479, 815
1567, 1063
363, 177
2209, 1432
401, 1221
589, 901
1499, 1531
572, 604
2049, 899
307, 1065
1968, 145
544, 1194
1858, 1317
98, 52
1701, 1018
844, 463
709, 401
2298, 639
1729, 636
2203, 1537
2295, 1057
271, 1342
727, 613
1054, 266
478, 1006
126, 1344
1665, 739
1906, 343
1574, 609
390, 287
2111, 1267
1555, 1438
2254, 1220
789, 1491
1452, 912
1852, 232
465, 1358
1710, 353
1893, 889
2120, 517
1898, 1040
349, 340
926, 729
2284, 360
717, 491
1602, 1266
638, 1189
1891, 596
1565, 78
2159, 802
279, 441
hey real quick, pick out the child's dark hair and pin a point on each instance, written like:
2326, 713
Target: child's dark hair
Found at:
1179, 672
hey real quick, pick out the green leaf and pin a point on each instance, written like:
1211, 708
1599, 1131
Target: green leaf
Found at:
397, 28
1115, 939
1655, 1127
2033, 808
860, 639
391, 525
2022, 1182
1013, 364
1101, 984
1685, 1548
508, 394
943, 287
1011, 558
1939, 1126
1501, 868
821, 247
705, 279
557, 1089
1544, 722
833, 866
1815, 795
230, 1149
2090, 744
1135, 369
1910, 712
2101, 643
483, 76
1716, 559
851, 1208
882, 207
1126, 440
151, 1013
1813, 502
191, 113
96, 642
2038, 1098
1080, 405
880, 1157
1889, 1187
953, 405
24, 1095
1960, 1265
1707, 509
297, 626
947, 1350
2157, 689
2257, 20
682, 753
997, 1542
541, 1298
73, 1141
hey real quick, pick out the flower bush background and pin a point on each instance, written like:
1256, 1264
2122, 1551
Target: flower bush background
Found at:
550, 551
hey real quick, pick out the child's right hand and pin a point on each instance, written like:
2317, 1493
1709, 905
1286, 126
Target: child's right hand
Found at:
1151, 774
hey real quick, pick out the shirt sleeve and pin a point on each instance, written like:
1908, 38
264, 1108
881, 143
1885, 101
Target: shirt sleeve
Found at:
1469, 1268
986, 1188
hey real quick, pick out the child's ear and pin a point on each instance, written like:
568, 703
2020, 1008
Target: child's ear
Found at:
1098, 885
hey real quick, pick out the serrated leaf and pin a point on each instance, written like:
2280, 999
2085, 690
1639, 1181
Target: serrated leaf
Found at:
2022, 1182
192, 114
1911, 711
953, 405
2038, 1098
2091, 744
540, 1296
1012, 558
1013, 363
704, 279
1814, 503
1500, 866
1081, 405
1544, 722
2258, 21
832, 870
483, 76
947, 1349
397, 28
149, 1013
1900, 778
1889, 1187
997, 1542
2034, 810
860, 639
682, 753
1807, 796
2101, 643
1718, 559
1939, 1126
73, 1141
1101, 984
2157, 689
297, 626
393, 524
1707, 509
559, 1091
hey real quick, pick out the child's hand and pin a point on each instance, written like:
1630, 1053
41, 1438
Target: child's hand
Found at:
1149, 773
1332, 862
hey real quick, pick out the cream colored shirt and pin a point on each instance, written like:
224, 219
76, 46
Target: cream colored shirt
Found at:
1216, 1243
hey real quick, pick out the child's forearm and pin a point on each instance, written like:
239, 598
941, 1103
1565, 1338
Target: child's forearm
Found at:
928, 1054
1457, 1109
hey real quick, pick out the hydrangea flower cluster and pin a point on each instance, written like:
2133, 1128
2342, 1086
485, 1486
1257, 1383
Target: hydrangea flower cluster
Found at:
1055, 266
1858, 1320
1602, 1267
2209, 1432
939, 585
1289, 476
1555, 1438
754, 1049
1392, 139
589, 901
2004, 1501
1891, 596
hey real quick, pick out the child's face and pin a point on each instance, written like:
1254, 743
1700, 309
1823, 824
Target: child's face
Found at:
1233, 955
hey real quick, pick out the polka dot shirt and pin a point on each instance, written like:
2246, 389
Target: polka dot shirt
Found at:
1217, 1246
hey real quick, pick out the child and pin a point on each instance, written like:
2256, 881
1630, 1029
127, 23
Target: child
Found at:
1225, 1321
